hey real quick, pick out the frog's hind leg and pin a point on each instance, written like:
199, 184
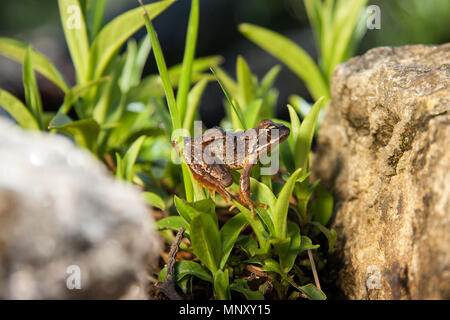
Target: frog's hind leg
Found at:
212, 184
244, 190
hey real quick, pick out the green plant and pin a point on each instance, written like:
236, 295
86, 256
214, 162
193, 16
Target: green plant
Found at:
110, 106
275, 234
116, 115
256, 99
338, 26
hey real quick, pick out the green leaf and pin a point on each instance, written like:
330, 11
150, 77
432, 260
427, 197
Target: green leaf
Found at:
173, 223
241, 286
77, 91
282, 205
105, 101
95, 15
306, 134
222, 285
228, 235
116, 32
205, 240
322, 206
290, 54
269, 79
127, 79
271, 265
331, 235
306, 244
207, 206
84, 132
295, 124
257, 227
184, 268
227, 81
301, 106
311, 291
247, 243
262, 193
185, 210
18, 111
76, 35
245, 81
119, 167
193, 102
188, 59
16, 50
130, 158
154, 200
240, 124
32, 95
253, 113
199, 65
346, 18
288, 248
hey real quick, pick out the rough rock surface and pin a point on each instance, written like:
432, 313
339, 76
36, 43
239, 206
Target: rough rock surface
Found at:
384, 146
59, 207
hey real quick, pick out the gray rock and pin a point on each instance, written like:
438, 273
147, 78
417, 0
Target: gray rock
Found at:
384, 146
62, 212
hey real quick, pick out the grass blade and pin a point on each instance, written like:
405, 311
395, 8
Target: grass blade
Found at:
193, 102
95, 16
205, 240
84, 132
306, 134
115, 33
130, 158
228, 235
245, 81
76, 35
32, 95
291, 55
18, 110
233, 103
282, 205
16, 50
162, 68
189, 54
77, 91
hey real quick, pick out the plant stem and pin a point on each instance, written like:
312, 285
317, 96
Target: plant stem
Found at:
314, 270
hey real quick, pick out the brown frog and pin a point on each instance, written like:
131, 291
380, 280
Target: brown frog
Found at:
213, 154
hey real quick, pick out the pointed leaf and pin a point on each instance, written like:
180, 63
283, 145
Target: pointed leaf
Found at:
154, 200
116, 32
282, 205
291, 55
75, 31
205, 240
18, 110
32, 95
222, 285
84, 132
228, 235
16, 50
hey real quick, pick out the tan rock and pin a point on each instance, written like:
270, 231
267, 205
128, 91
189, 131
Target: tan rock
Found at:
384, 146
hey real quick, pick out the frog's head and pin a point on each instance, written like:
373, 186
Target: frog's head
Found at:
269, 125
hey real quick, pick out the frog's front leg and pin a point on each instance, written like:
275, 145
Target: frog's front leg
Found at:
244, 188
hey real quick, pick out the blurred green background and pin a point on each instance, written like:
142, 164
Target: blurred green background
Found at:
37, 22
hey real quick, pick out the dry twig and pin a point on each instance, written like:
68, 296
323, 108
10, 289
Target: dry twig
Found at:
168, 286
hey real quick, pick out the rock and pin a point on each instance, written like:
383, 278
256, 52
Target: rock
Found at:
62, 215
384, 146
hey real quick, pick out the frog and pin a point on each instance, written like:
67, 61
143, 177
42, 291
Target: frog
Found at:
212, 156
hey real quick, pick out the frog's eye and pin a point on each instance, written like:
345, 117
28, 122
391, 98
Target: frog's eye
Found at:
266, 124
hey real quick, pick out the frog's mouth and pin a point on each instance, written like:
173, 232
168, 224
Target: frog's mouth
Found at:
276, 133
281, 133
